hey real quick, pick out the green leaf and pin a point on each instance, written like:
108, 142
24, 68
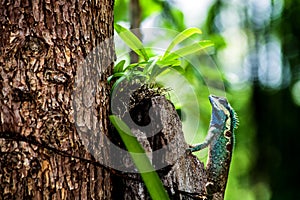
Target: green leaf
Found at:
179, 69
132, 41
135, 65
149, 66
148, 173
110, 78
190, 49
219, 41
180, 37
118, 81
115, 75
157, 70
170, 63
119, 67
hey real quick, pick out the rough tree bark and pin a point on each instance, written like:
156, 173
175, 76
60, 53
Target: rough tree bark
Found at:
54, 105
154, 121
44, 44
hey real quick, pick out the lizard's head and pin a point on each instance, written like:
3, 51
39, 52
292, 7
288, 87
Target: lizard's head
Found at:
222, 112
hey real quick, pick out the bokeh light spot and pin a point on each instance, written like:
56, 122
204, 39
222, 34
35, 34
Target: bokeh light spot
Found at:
296, 93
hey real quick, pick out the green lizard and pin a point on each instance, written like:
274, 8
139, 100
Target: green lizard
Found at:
220, 140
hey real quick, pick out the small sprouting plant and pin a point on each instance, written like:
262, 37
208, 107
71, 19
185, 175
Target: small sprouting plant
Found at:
148, 67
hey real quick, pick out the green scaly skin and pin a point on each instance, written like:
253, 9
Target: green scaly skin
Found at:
220, 140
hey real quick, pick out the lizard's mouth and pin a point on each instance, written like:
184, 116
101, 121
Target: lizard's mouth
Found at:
214, 101
212, 98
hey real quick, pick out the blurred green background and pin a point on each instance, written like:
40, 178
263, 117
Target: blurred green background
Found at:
256, 61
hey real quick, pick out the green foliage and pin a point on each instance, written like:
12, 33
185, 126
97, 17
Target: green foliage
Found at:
181, 37
151, 67
170, 17
132, 41
185, 51
173, 18
140, 159
121, 10
150, 7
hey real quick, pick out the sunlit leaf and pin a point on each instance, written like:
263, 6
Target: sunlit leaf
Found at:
169, 62
131, 41
181, 37
179, 69
119, 67
140, 159
187, 50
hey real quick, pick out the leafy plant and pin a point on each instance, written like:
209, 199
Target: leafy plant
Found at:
150, 67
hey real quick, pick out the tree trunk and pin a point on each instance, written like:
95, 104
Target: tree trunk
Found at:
47, 117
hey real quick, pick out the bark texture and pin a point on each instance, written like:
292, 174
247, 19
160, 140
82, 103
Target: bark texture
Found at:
156, 124
46, 54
